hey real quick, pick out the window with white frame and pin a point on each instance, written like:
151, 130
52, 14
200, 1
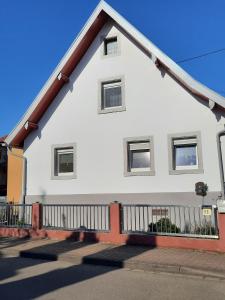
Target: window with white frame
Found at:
139, 156
63, 161
112, 96
110, 46
185, 154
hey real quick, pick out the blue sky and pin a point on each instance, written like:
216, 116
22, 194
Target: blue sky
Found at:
35, 34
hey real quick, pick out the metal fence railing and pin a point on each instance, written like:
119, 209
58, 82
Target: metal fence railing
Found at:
169, 220
15, 215
74, 216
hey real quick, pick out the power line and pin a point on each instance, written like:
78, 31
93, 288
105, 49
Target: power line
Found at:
202, 55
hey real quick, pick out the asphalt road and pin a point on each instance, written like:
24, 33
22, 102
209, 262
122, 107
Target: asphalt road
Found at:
23, 279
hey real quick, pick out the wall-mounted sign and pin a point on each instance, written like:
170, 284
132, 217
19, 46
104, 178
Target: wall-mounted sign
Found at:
207, 210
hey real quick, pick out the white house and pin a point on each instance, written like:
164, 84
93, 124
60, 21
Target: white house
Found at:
118, 120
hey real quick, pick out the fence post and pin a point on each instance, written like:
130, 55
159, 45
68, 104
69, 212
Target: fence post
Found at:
221, 221
115, 221
36, 216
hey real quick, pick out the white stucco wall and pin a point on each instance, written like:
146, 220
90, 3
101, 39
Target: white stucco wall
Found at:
155, 105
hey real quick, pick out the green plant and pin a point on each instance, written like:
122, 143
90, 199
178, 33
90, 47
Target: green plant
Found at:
163, 225
20, 222
206, 229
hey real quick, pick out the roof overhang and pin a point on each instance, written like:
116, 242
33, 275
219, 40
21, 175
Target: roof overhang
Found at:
61, 74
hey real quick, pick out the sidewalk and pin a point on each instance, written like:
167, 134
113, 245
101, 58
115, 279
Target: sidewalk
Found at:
204, 264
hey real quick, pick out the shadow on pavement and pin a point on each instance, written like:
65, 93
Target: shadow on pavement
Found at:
10, 266
6, 242
39, 285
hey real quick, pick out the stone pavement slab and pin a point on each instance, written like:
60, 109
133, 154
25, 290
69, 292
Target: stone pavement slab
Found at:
206, 264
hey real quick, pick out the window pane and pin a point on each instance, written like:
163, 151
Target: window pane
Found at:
185, 155
139, 159
65, 162
111, 46
112, 96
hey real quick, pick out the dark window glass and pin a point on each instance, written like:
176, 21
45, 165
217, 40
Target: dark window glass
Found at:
140, 159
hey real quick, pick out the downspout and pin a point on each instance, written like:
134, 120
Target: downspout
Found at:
24, 166
219, 135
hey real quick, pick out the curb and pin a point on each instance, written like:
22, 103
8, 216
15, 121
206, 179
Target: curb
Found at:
133, 265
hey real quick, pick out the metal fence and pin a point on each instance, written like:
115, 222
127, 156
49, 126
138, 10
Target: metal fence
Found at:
15, 215
169, 220
78, 217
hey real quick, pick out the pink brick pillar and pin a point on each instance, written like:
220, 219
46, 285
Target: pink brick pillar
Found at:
115, 221
36, 216
221, 224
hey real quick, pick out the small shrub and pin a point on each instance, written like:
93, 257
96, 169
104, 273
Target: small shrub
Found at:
163, 225
20, 222
206, 229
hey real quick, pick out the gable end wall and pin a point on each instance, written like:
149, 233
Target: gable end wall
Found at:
156, 105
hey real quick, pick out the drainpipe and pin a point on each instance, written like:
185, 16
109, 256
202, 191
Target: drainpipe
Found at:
23, 186
219, 135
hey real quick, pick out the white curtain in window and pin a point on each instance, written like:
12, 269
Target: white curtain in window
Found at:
111, 47
112, 96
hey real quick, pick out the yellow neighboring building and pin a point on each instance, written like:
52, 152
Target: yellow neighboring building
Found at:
15, 175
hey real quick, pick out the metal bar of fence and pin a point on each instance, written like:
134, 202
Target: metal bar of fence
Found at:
76, 217
169, 220
15, 215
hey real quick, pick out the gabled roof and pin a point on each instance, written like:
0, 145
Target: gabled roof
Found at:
60, 75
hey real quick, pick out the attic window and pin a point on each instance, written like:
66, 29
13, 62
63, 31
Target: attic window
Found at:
110, 46
111, 95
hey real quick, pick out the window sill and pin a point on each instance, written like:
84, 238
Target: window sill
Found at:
64, 177
188, 171
141, 173
104, 56
112, 110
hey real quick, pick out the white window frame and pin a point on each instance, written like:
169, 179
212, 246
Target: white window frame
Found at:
184, 142
57, 154
110, 85
113, 81
145, 145
138, 143
104, 39
191, 138
107, 40
63, 148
